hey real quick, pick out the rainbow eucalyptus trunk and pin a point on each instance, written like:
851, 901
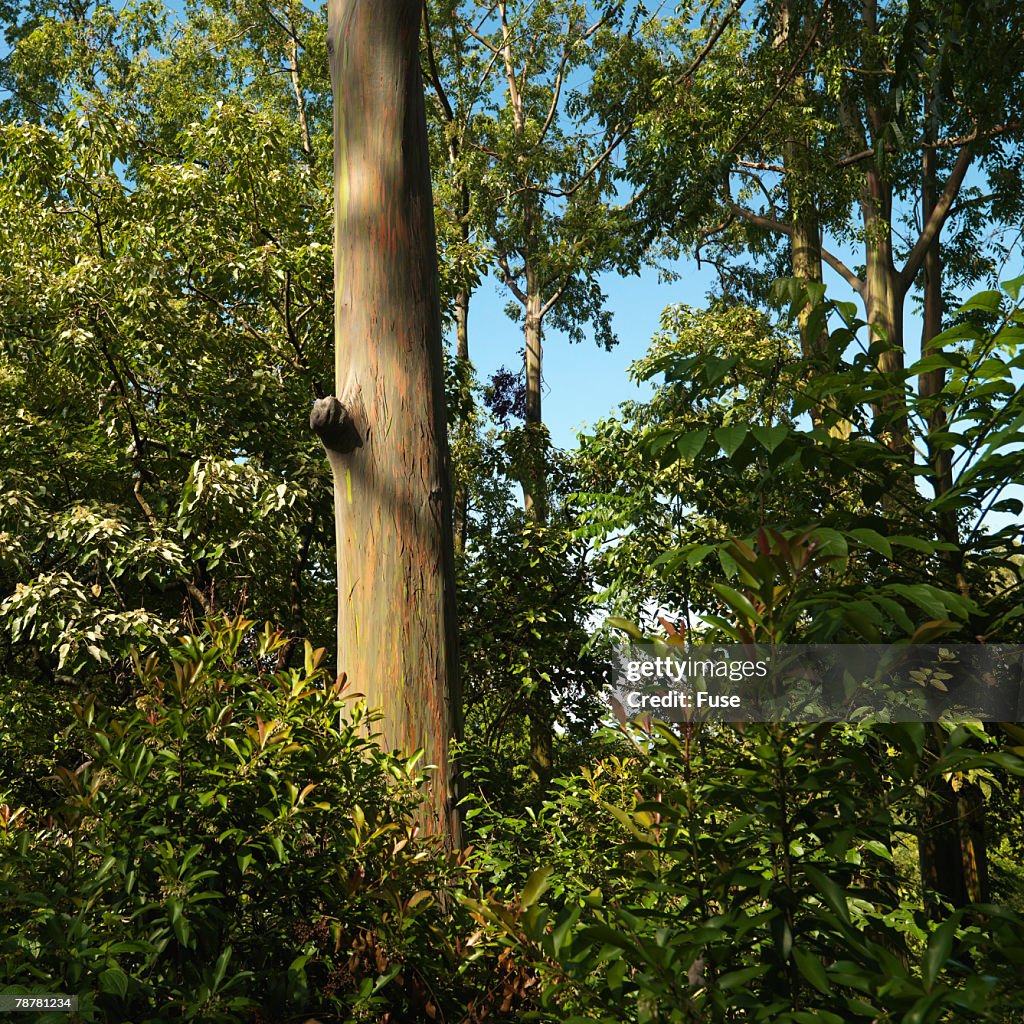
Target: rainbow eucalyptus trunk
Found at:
385, 431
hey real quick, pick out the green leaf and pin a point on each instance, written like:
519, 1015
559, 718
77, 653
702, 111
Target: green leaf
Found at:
771, 437
691, 445
812, 969
872, 539
730, 438
985, 302
114, 981
535, 886
920, 1012
698, 553
659, 441
630, 628
616, 972
221, 967
715, 368
833, 895
738, 603
830, 543
734, 979
940, 945
927, 598
1013, 287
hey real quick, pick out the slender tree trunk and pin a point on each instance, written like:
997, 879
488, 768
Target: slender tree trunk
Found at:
535, 481
884, 294
385, 431
931, 382
805, 241
952, 847
542, 712
953, 855
460, 510
806, 263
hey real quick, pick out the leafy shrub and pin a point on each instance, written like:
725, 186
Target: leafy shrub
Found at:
752, 875
232, 848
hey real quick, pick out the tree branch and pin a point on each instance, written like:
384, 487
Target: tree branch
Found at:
433, 76
782, 228
560, 291
509, 280
937, 217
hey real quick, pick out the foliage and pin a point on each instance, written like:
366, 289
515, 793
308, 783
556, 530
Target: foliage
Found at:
165, 268
751, 875
165, 271
523, 590
862, 556
232, 848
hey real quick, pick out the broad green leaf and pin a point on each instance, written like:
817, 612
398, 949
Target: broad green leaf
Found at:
1013, 287
690, 445
812, 969
770, 437
940, 945
985, 302
535, 886
738, 603
832, 893
872, 539
114, 981
730, 438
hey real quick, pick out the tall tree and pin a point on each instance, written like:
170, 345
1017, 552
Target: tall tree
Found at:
456, 80
384, 431
814, 120
543, 186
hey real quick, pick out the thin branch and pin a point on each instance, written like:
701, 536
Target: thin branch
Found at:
560, 291
434, 76
509, 280
939, 213
620, 132
782, 228
757, 165
950, 142
559, 78
786, 80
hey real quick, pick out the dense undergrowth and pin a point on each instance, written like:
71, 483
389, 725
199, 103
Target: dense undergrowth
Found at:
230, 846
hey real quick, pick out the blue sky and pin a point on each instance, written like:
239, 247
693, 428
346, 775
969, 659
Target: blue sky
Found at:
582, 382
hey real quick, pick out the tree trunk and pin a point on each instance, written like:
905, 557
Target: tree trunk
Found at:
932, 382
952, 851
385, 431
460, 511
534, 482
542, 712
805, 241
952, 847
884, 294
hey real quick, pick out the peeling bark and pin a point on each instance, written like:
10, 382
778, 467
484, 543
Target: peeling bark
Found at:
385, 431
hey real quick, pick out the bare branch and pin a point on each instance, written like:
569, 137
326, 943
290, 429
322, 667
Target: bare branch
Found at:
559, 292
433, 75
782, 228
938, 216
620, 132
559, 78
509, 280
950, 142
757, 165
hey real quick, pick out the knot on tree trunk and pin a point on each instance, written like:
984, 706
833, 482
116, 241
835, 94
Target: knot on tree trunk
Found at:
332, 422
